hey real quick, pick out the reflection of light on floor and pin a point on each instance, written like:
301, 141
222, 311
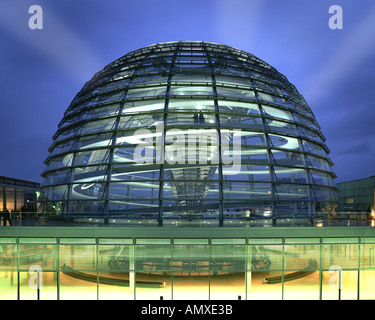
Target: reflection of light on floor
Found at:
227, 287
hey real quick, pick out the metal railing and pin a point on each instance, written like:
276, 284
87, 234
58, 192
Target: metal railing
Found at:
79, 218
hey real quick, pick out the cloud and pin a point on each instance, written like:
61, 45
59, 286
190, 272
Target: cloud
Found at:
357, 46
55, 41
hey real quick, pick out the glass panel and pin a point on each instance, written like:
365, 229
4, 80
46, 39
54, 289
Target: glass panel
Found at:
63, 147
239, 107
235, 93
113, 266
105, 98
77, 257
153, 272
330, 286
317, 163
2, 198
191, 91
305, 132
99, 126
146, 92
94, 208
8, 256
321, 178
114, 286
190, 190
69, 132
343, 255
20, 201
88, 190
288, 158
186, 105
291, 175
192, 78
8, 285
139, 209
367, 284
197, 118
265, 265
125, 155
134, 190
191, 272
367, 272
313, 148
305, 120
78, 273
240, 121
29, 285
58, 177
259, 289
284, 142
277, 113
148, 79
72, 287
91, 157
323, 194
246, 190
250, 139
107, 110
294, 192
60, 162
55, 193
10, 197
124, 172
38, 254
301, 272
227, 280
247, 172
282, 127
140, 121
94, 141
143, 106
71, 118
232, 80
201, 172
145, 139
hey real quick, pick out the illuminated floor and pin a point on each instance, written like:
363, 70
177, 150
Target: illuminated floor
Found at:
227, 288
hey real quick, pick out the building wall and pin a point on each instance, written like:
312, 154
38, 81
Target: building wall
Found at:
196, 268
356, 195
15, 194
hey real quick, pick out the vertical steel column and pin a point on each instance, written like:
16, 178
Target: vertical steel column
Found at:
18, 268
359, 268
311, 209
97, 267
105, 212
248, 270
162, 160
270, 159
67, 209
15, 199
132, 280
321, 268
282, 268
218, 130
57, 267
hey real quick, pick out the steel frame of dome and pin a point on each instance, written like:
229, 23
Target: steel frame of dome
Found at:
285, 169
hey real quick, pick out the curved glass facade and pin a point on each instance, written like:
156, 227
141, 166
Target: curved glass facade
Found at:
188, 130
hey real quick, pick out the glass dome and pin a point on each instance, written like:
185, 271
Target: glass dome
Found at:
188, 131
